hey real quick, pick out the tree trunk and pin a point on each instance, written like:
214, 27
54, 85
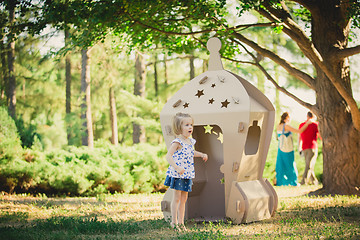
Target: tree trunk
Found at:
166, 77
87, 137
192, 67
11, 69
156, 83
113, 117
139, 90
205, 65
341, 141
68, 82
3, 70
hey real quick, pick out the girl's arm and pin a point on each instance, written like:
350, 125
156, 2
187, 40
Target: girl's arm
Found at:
319, 136
303, 128
204, 156
173, 147
300, 144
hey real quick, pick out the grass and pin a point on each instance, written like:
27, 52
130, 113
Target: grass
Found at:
125, 216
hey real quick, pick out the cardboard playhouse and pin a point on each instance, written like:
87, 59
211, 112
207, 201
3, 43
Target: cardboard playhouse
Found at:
233, 124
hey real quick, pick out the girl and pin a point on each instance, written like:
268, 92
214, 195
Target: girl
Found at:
286, 171
179, 175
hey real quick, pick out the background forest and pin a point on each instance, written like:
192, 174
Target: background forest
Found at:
87, 119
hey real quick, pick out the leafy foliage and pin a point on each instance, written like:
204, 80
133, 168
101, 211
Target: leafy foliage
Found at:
28, 134
129, 20
10, 145
83, 172
178, 26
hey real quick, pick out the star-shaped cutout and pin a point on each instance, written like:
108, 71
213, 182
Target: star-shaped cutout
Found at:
186, 105
221, 138
213, 85
225, 103
199, 93
208, 129
211, 101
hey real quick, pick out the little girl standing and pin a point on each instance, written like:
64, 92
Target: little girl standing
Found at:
179, 175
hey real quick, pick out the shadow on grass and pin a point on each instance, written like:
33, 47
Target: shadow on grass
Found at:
92, 228
13, 217
335, 222
73, 227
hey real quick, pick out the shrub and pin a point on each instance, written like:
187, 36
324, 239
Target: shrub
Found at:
16, 176
80, 171
10, 145
28, 134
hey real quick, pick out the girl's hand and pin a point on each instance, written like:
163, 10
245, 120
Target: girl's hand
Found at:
204, 157
180, 170
311, 120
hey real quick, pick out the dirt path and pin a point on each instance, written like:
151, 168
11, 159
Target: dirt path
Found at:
295, 191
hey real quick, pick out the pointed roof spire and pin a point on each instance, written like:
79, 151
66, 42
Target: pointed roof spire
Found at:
214, 46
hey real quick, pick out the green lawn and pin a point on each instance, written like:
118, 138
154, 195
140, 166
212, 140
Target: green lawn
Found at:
125, 216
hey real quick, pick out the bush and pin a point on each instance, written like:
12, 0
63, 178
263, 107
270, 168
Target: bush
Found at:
16, 176
10, 145
28, 134
80, 171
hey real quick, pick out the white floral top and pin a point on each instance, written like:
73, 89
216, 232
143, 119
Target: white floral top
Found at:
183, 157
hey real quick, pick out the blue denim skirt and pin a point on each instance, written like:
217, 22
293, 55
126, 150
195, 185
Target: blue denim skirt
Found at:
178, 183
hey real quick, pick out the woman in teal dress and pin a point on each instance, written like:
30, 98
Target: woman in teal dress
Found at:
286, 171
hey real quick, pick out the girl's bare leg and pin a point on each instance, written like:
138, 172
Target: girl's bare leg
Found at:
183, 199
174, 207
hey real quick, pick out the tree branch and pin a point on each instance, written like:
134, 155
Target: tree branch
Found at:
283, 90
291, 69
294, 31
272, 80
168, 32
243, 26
347, 52
305, 3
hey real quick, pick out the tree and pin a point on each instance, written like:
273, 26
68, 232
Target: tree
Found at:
67, 80
10, 60
3, 69
320, 29
325, 47
16, 16
139, 90
113, 117
192, 66
156, 81
88, 137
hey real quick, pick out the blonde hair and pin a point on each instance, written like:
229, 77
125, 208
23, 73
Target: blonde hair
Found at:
177, 121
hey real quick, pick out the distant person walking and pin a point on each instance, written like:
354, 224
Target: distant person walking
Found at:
286, 171
309, 147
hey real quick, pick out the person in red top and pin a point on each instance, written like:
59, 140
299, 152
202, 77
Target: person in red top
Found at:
308, 146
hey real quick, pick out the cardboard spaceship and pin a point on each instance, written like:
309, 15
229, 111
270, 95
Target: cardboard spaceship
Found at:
233, 124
